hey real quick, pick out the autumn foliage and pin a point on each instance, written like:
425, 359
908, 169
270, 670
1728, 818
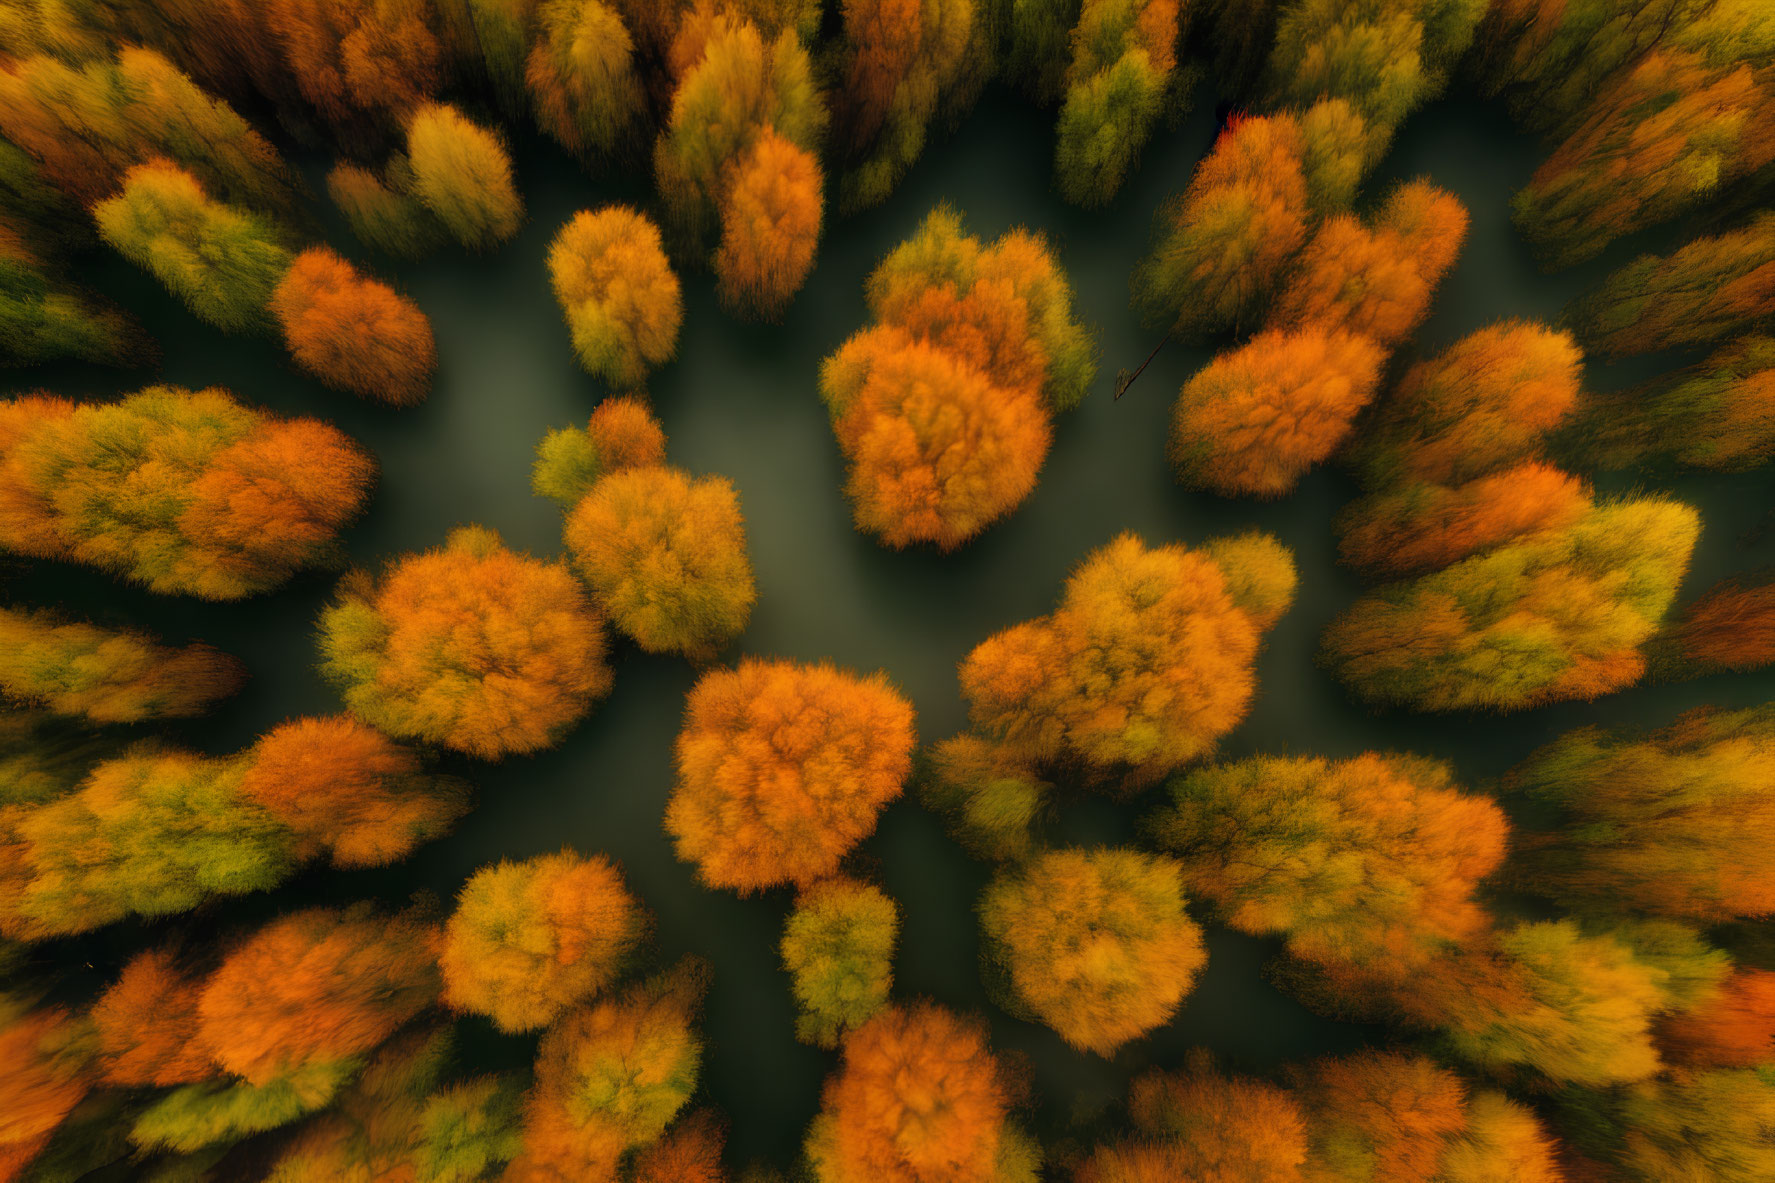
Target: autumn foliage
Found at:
1145, 664
610, 1077
1096, 943
943, 408
782, 769
1376, 280
919, 1098
581, 75
45, 1078
1372, 860
473, 646
838, 946
1718, 414
157, 830
1123, 55
664, 552
1733, 1029
1547, 618
770, 226
532, 938
618, 293
354, 333
107, 675
1253, 420
1200, 1125
186, 493
1674, 822
1731, 626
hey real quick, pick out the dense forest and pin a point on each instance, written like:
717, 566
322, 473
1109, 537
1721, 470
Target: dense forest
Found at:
887, 591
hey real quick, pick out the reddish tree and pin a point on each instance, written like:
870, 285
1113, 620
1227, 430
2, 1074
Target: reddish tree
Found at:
354, 333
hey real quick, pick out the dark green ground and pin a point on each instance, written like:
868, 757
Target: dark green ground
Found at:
742, 401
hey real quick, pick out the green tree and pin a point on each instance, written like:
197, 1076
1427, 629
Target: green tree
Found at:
107, 675
222, 261
1124, 53
838, 946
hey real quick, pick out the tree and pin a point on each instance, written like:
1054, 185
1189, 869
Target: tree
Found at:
315, 988
610, 1077
1549, 999
45, 1078
1096, 943
470, 1129
1376, 281
85, 125
44, 319
782, 769
1548, 618
1452, 463
1547, 63
107, 675
581, 76
359, 62
1658, 141
186, 493
838, 946
146, 1024
222, 261
1735, 1028
1219, 249
1675, 822
1710, 288
1197, 1124
463, 177
1398, 1116
1704, 1125
157, 830
1146, 662
1034, 49
734, 85
1731, 626
530, 939
664, 552
770, 226
618, 293
1385, 57
919, 1097
1372, 860
1254, 419
342, 787
354, 333
901, 60
1123, 56
1479, 405
473, 646
1718, 414
944, 406
621, 434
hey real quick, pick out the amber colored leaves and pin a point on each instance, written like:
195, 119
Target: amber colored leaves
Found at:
937, 452
40, 1085
1255, 419
782, 769
1677, 822
665, 553
610, 1078
185, 492
1097, 943
1731, 626
474, 646
354, 333
1372, 860
618, 293
770, 226
530, 939
1376, 281
107, 675
918, 1099
1733, 1029
313, 987
1146, 662
337, 783
353, 60
1225, 243
942, 408
146, 1023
